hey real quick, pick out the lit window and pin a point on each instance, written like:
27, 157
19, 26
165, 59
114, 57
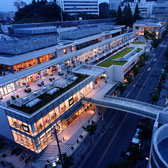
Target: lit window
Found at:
72, 48
65, 50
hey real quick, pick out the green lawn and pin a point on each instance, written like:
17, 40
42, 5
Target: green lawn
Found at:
110, 61
139, 49
137, 42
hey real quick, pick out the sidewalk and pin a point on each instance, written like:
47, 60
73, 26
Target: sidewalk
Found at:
70, 134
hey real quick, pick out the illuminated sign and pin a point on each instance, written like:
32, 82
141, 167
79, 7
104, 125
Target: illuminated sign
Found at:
71, 101
25, 128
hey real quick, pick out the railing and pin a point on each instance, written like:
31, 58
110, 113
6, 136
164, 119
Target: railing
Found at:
36, 93
134, 101
134, 110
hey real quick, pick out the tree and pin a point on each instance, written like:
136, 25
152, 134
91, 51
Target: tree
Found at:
121, 87
121, 164
33, 1
136, 14
90, 129
38, 12
155, 98
166, 53
129, 16
155, 42
119, 17
125, 15
67, 160
104, 10
145, 131
135, 154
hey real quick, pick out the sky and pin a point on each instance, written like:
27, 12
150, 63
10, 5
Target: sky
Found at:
8, 5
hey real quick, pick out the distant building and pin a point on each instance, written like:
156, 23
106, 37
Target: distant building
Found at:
148, 9
141, 25
79, 6
158, 154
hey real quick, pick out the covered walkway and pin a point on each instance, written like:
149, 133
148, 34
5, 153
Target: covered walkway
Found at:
123, 104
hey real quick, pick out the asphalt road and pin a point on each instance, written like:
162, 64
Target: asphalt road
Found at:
119, 135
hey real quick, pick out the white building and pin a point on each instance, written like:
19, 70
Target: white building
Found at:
79, 6
43, 80
150, 9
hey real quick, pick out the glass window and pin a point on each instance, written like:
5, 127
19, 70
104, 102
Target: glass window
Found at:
65, 50
72, 48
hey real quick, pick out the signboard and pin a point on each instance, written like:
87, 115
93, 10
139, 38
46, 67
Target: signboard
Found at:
71, 101
25, 128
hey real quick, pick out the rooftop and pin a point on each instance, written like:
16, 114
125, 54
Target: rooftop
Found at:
111, 61
20, 46
45, 98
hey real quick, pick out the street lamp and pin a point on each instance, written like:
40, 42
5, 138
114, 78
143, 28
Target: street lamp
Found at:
59, 149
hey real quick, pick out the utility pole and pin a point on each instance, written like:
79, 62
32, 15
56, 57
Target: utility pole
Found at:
59, 149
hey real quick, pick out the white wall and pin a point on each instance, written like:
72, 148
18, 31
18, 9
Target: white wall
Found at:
4, 125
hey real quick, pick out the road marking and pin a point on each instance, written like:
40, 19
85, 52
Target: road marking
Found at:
111, 141
147, 78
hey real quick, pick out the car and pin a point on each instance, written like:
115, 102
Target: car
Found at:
137, 133
154, 59
136, 141
149, 69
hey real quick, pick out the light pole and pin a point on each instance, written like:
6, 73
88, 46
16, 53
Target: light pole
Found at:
59, 149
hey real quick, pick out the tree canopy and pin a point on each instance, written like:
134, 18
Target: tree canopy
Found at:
105, 12
119, 17
38, 11
125, 16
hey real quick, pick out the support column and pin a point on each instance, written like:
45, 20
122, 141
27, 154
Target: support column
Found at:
37, 144
33, 129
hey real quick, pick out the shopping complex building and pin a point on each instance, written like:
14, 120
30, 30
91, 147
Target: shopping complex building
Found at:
48, 77
45, 74
141, 26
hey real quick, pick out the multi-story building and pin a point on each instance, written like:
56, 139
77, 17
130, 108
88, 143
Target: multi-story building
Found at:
141, 25
79, 6
158, 154
41, 83
149, 9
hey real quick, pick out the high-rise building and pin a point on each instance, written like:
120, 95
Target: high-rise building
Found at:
79, 6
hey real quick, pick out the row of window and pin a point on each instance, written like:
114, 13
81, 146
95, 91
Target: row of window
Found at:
66, 5
80, 8
52, 115
80, 2
88, 43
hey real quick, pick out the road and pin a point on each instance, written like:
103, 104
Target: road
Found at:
119, 135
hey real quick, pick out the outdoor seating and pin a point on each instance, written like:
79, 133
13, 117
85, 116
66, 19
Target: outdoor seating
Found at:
27, 90
13, 98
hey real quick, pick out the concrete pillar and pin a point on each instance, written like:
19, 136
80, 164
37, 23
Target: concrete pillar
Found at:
37, 144
33, 129
12, 70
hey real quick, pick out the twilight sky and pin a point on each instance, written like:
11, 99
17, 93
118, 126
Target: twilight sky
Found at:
7, 5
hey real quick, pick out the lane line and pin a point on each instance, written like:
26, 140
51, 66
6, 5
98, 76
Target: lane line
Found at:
107, 148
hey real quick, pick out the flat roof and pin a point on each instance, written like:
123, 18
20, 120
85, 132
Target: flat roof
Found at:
90, 70
46, 98
111, 60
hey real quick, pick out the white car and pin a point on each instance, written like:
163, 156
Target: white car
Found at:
149, 69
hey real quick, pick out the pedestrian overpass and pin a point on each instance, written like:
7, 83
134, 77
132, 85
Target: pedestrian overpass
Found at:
126, 105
